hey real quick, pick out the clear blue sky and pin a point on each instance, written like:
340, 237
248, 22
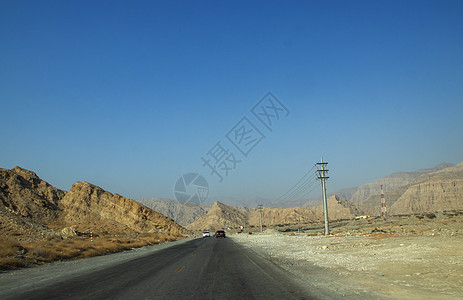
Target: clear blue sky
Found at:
129, 95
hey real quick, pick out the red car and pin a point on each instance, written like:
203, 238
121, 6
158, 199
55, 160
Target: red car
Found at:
220, 233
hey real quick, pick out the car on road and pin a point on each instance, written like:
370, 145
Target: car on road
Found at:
220, 233
206, 234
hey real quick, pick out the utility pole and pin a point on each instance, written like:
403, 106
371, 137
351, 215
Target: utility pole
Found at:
322, 177
260, 207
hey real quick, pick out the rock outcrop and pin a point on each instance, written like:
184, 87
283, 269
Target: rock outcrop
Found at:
89, 206
434, 192
23, 193
223, 216
363, 194
31, 206
338, 209
283, 216
220, 216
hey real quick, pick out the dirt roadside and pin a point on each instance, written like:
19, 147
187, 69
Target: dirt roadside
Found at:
414, 257
41, 276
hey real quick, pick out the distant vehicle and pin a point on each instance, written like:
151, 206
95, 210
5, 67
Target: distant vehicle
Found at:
206, 234
220, 233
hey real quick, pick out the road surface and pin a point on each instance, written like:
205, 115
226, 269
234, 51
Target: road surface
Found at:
205, 268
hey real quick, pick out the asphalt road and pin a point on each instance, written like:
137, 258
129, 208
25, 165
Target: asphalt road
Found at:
206, 268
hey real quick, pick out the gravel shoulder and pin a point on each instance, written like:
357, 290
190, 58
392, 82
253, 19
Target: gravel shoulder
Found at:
422, 261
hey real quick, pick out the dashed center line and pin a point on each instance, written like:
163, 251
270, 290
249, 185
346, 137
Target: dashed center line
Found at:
179, 269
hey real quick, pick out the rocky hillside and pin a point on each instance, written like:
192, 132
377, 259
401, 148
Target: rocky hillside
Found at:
282, 216
23, 193
363, 194
372, 205
89, 206
31, 206
433, 192
220, 216
223, 216
417, 203
426, 190
338, 209
182, 213
367, 195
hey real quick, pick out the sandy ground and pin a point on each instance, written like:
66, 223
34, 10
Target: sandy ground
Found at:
394, 258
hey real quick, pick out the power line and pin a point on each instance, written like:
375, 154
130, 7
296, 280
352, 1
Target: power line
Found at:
301, 190
308, 172
308, 192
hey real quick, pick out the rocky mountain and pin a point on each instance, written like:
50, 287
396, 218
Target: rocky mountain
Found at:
390, 183
220, 216
223, 216
344, 194
89, 206
25, 194
426, 190
367, 195
182, 213
338, 209
282, 216
433, 192
395, 186
30, 205
372, 205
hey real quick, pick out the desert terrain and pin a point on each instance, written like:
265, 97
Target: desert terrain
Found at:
414, 253
40, 223
400, 257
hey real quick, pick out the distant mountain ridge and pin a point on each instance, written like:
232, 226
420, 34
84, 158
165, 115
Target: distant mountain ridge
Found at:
427, 190
182, 213
437, 191
222, 216
394, 186
391, 182
361, 194
219, 216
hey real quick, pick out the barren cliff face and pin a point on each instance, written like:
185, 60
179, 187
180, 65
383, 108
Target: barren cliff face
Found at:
338, 209
223, 216
438, 191
219, 216
89, 206
23, 193
391, 183
29, 205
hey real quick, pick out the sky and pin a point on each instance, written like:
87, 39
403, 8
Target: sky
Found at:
133, 95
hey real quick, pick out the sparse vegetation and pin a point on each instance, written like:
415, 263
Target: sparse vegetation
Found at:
15, 255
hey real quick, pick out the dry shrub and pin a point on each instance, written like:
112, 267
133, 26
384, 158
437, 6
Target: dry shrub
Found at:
55, 249
11, 255
58, 249
430, 216
9, 263
9, 248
